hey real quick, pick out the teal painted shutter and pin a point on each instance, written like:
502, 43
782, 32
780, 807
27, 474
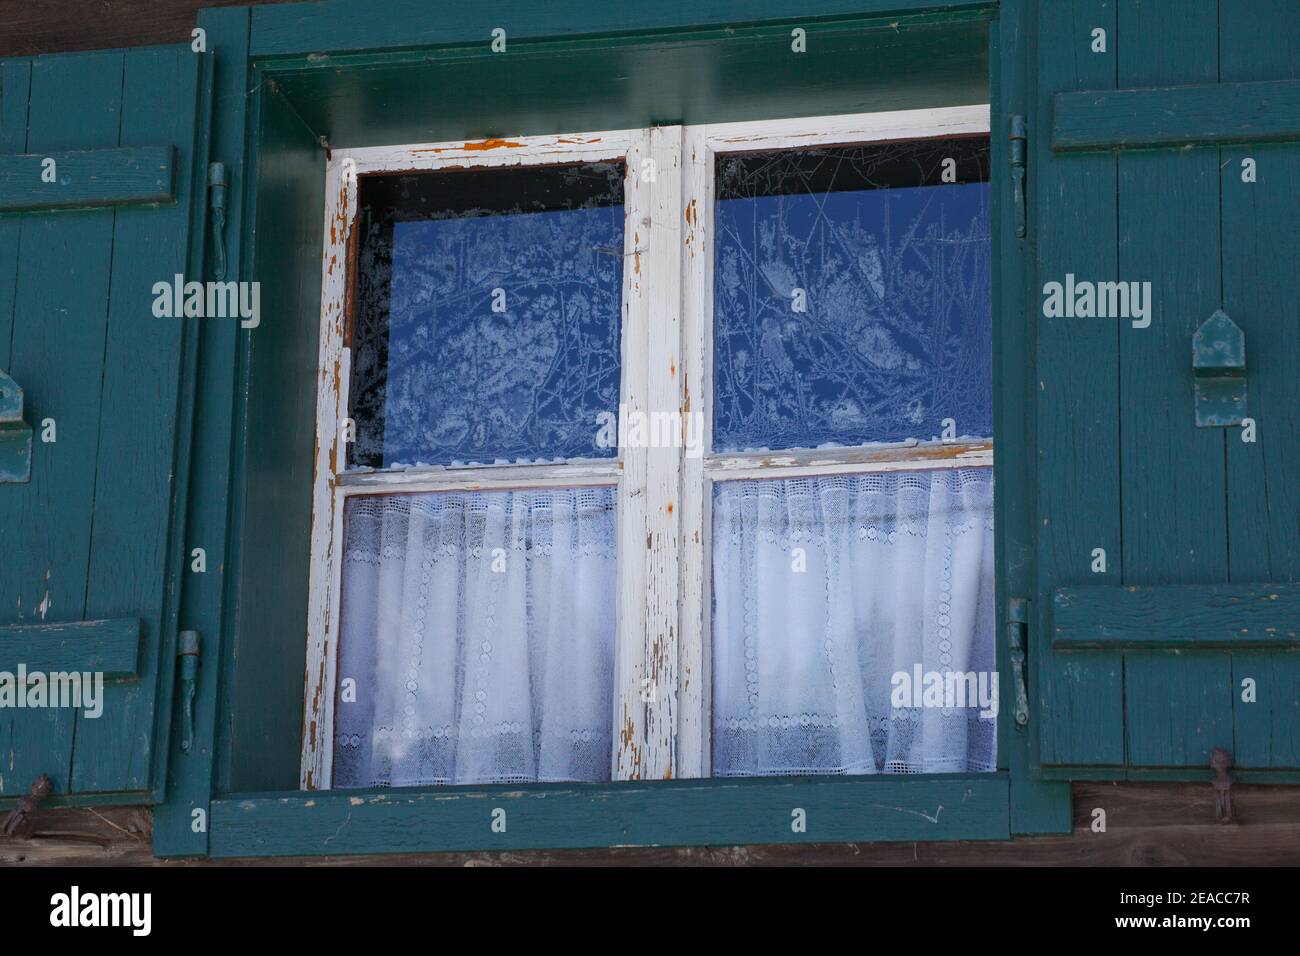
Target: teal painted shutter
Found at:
1037, 806
93, 538
1146, 666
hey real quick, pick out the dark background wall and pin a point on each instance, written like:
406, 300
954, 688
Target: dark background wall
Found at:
28, 27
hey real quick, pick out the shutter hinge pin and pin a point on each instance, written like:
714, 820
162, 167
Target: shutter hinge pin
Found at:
1017, 145
1017, 624
217, 205
188, 654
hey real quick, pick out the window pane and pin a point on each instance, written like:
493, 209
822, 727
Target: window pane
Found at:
852, 295
479, 629
488, 312
826, 590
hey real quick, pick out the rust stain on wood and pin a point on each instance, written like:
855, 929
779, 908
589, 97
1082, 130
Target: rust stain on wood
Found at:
954, 452
475, 146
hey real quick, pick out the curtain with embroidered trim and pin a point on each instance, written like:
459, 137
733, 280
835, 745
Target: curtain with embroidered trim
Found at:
479, 631
839, 601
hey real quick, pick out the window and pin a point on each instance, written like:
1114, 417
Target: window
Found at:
839, 316
664, 453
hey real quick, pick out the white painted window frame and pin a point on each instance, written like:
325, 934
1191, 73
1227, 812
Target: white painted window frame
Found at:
651, 200
703, 145
662, 654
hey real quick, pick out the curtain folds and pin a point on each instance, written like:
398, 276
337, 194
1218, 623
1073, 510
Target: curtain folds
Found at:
826, 590
478, 629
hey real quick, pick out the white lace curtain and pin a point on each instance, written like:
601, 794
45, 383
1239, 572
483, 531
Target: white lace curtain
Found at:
479, 631
897, 572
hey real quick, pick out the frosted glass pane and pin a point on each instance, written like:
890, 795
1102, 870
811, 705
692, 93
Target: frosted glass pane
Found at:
852, 295
488, 313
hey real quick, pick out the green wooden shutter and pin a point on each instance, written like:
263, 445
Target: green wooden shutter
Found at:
93, 538
1142, 668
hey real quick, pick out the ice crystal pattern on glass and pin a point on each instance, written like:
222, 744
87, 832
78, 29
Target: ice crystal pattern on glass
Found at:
894, 268
440, 376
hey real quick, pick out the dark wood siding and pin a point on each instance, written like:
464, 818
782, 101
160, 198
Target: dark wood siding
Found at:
1146, 825
60, 26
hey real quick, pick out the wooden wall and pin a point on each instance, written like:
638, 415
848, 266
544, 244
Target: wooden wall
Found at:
61, 26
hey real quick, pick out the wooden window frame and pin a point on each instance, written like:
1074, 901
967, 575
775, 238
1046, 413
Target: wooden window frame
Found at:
662, 668
648, 200
703, 145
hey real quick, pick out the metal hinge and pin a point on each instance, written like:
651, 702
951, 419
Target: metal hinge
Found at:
1017, 140
217, 206
188, 654
18, 822
15, 434
1017, 625
1222, 781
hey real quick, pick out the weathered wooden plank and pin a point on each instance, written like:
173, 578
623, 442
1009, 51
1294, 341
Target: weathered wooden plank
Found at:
1179, 708
1265, 690
132, 568
15, 438
663, 813
350, 24
15, 82
108, 646
274, 452
1079, 710
1174, 517
1195, 617
1261, 230
60, 305
56, 26
694, 684
1168, 805
630, 707
86, 178
1146, 825
663, 465
1177, 115
332, 381
191, 774
900, 456
1037, 806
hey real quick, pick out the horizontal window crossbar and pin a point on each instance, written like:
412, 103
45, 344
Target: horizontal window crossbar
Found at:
794, 463
483, 477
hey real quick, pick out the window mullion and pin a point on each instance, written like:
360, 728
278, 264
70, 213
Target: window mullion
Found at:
665, 437
629, 660
696, 268
645, 660
331, 410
